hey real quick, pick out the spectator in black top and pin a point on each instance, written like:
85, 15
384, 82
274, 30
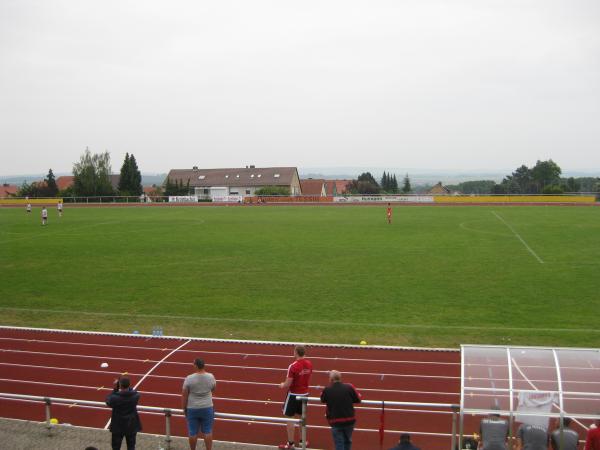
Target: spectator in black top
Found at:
404, 443
340, 398
124, 421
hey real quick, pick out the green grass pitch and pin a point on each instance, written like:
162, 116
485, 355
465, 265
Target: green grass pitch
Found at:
438, 276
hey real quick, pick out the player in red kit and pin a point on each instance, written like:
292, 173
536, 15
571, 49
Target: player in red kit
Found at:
389, 213
296, 383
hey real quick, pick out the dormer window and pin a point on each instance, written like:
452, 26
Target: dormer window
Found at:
201, 177
259, 175
238, 175
276, 175
226, 176
252, 176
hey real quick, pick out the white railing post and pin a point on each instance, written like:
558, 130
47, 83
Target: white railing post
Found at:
48, 402
453, 440
168, 428
303, 422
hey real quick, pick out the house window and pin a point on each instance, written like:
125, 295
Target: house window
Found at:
226, 176
238, 175
206, 191
201, 177
259, 175
233, 193
276, 175
252, 176
247, 191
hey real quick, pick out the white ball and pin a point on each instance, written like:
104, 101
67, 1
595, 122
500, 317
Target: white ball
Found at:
104, 365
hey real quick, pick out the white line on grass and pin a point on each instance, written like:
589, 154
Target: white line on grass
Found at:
300, 322
152, 370
518, 236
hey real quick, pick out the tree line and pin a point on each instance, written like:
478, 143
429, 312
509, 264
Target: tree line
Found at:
366, 184
91, 178
543, 178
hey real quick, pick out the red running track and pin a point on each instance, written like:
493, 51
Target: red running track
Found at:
67, 364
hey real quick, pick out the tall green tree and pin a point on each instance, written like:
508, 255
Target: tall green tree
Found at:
92, 175
545, 173
406, 187
51, 187
130, 180
124, 177
571, 185
135, 177
364, 184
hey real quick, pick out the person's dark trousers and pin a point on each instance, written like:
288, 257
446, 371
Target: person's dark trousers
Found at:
117, 439
342, 437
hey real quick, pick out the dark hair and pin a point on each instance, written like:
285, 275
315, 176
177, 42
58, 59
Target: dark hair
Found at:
124, 383
566, 421
405, 437
199, 363
300, 350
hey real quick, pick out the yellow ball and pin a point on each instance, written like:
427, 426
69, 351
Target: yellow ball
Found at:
363, 342
53, 421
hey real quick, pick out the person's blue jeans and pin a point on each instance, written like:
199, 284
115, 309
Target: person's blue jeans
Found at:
342, 437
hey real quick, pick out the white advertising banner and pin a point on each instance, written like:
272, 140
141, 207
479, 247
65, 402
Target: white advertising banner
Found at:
227, 198
384, 198
183, 198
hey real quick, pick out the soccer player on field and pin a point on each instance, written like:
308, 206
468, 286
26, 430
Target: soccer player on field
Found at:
389, 213
59, 207
44, 215
296, 383
28, 207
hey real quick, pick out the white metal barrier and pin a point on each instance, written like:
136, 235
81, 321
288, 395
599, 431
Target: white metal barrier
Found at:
168, 412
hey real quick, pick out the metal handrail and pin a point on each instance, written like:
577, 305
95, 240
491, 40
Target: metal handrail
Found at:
455, 408
168, 412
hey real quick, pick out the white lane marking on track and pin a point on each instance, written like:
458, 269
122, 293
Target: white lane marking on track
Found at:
177, 395
303, 322
152, 370
228, 366
518, 236
223, 381
270, 355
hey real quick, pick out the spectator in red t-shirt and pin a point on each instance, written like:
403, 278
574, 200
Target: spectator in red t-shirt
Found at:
592, 441
296, 383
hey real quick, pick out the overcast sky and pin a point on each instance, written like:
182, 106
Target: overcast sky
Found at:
448, 84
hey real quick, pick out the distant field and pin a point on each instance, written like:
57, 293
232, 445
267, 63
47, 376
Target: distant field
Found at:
438, 276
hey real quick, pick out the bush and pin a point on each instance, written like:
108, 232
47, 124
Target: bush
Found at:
554, 189
273, 190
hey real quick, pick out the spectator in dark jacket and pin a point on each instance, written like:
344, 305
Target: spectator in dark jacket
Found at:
404, 443
340, 398
124, 421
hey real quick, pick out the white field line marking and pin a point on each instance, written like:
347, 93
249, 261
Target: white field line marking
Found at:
179, 379
518, 236
152, 370
295, 322
269, 355
227, 366
535, 387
